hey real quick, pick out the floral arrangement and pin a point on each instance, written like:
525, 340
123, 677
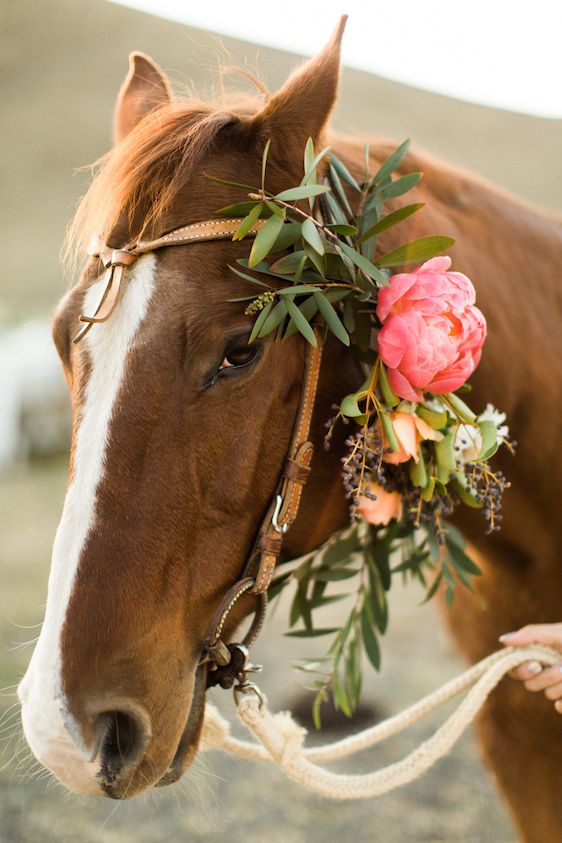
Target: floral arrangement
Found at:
415, 449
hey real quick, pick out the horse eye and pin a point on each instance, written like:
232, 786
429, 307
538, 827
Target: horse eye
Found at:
238, 357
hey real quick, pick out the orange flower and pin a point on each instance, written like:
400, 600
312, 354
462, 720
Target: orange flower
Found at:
385, 507
410, 430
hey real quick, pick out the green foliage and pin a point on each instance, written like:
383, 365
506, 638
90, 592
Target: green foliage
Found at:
317, 259
328, 250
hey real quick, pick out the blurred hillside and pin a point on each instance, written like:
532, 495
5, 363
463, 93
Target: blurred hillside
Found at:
62, 62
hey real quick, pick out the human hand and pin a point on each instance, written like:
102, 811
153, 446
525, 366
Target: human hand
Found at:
532, 674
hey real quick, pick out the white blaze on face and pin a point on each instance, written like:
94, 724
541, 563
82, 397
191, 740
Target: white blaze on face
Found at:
46, 722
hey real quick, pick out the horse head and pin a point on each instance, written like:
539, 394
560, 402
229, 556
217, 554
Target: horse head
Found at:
180, 430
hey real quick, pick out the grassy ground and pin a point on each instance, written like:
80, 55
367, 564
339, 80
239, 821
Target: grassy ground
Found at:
223, 798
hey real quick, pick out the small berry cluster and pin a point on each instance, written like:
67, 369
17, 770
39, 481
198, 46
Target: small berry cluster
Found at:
488, 487
260, 302
362, 464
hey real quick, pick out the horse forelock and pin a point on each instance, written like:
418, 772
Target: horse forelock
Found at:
138, 180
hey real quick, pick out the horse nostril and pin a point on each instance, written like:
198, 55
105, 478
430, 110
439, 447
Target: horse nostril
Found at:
121, 740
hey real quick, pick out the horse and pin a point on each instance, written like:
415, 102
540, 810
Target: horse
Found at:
180, 430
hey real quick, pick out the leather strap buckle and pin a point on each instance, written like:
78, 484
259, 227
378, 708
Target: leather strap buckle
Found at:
279, 528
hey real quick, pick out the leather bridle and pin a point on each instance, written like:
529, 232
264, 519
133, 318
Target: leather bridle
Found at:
228, 663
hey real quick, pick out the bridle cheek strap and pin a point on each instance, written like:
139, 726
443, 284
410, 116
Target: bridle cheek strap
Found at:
284, 507
227, 663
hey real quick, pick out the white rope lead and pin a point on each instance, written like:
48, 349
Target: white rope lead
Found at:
281, 740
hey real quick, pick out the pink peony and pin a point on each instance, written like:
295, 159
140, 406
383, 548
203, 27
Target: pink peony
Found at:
432, 334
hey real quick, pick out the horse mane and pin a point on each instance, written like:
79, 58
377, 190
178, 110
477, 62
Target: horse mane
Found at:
139, 178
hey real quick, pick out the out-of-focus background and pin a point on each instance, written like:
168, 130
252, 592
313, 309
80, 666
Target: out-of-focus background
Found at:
62, 62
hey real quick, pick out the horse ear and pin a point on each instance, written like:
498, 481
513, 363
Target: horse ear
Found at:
145, 88
302, 107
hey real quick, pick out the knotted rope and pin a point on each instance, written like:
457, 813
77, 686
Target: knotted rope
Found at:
281, 740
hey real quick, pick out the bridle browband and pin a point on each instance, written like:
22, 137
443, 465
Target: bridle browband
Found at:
228, 663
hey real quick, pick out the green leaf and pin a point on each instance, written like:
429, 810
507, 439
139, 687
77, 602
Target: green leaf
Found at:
331, 317
433, 588
263, 314
461, 487
389, 432
264, 241
247, 277
418, 472
353, 673
334, 574
339, 228
399, 186
312, 163
305, 191
297, 290
415, 251
300, 322
274, 319
434, 419
461, 409
341, 549
275, 209
288, 264
362, 263
350, 407
336, 210
264, 163
460, 559
229, 183
445, 452
388, 394
311, 235
243, 298
377, 604
326, 601
392, 162
344, 173
318, 261
247, 223
308, 309
241, 209
288, 236
312, 633
335, 294
370, 640
490, 444
427, 491
390, 219
320, 698
380, 556
340, 192
341, 700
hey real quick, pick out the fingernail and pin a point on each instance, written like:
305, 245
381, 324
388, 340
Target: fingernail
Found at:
533, 668
507, 636
558, 706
